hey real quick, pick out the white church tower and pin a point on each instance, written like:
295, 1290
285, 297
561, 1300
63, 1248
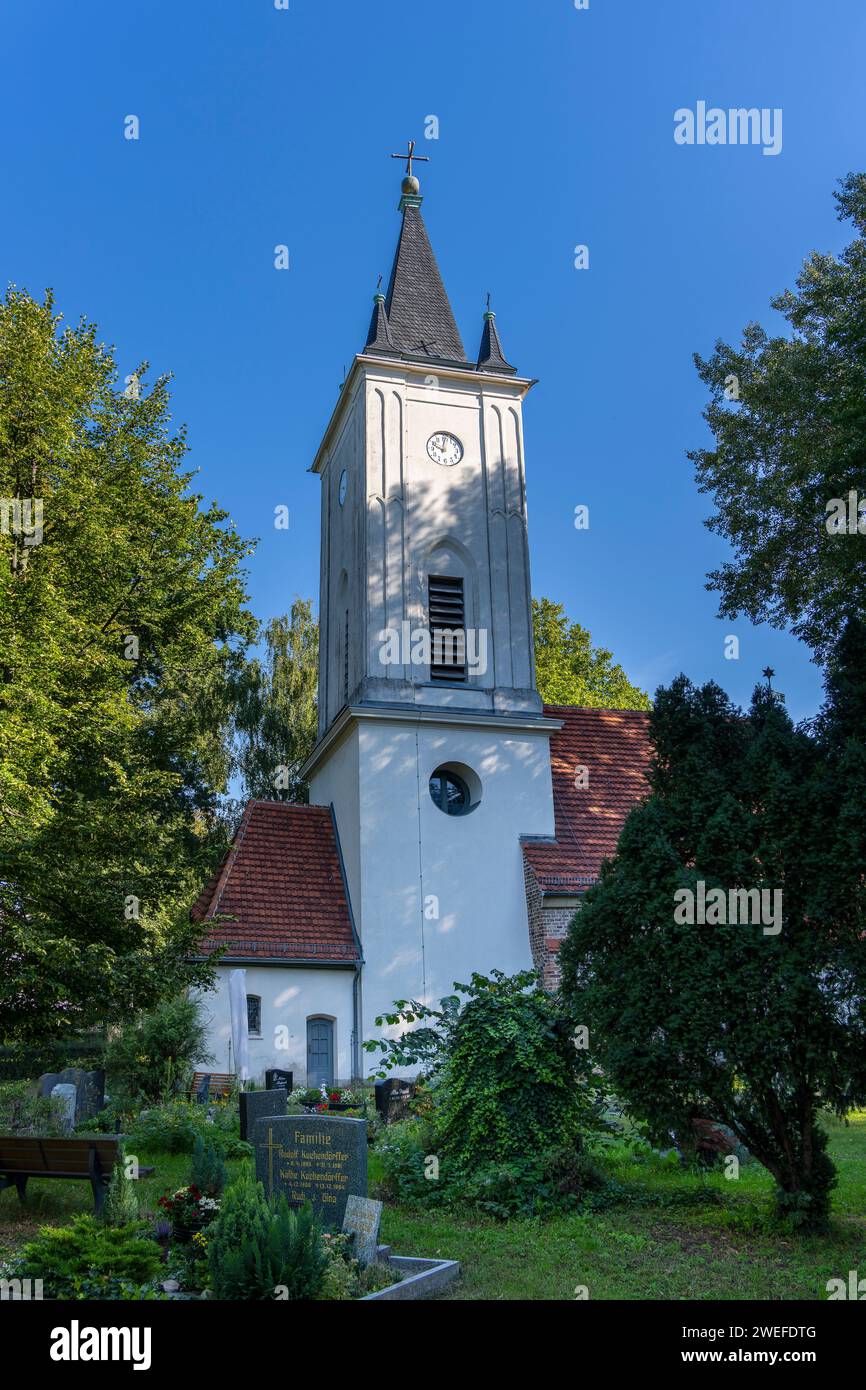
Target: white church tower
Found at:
433, 750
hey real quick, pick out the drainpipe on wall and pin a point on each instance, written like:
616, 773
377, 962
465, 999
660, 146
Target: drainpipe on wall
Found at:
356, 982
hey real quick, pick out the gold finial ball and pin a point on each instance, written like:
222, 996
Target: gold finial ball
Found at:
411, 185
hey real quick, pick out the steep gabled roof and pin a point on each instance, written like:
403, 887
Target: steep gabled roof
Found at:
280, 892
418, 312
614, 746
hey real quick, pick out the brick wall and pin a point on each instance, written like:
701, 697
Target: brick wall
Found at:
548, 925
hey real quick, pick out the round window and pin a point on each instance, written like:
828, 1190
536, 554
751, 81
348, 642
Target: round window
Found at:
456, 791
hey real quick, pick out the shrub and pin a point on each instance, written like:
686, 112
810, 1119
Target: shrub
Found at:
208, 1172
153, 1056
90, 1260
121, 1201
173, 1128
258, 1247
506, 1077
22, 1111
402, 1150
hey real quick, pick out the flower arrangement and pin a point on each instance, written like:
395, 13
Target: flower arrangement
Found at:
188, 1210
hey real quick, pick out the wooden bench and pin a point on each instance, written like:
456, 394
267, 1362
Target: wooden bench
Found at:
27, 1156
220, 1084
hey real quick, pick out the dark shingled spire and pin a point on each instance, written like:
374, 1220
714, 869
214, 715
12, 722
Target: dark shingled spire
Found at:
379, 335
418, 314
491, 358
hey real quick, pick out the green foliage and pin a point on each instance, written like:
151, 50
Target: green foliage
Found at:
209, 1172
87, 1259
279, 720
22, 1111
121, 1200
154, 1054
569, 670
514, 1082
261, 1250
791, 442
751, 1028
173, 1128
112, 760
510, 1094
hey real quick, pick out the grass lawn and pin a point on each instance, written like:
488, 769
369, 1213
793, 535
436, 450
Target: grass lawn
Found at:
656, 1252
633, 1252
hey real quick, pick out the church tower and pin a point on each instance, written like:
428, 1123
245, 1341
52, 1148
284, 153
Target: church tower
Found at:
433, 749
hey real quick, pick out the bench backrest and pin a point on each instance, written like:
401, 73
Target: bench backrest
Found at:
22, 1153
220, 1084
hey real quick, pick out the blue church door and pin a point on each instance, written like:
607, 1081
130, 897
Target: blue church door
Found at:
320, 1052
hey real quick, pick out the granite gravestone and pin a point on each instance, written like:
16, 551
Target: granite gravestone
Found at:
361, 1219
276, 1080
312, 1158
393, 1097
64, 1094
89, 1089
254, 1104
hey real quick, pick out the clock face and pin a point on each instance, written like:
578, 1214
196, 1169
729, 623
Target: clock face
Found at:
445, 449
344, 486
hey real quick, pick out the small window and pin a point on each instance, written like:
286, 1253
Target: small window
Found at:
450, 792
446, 608
254, 1015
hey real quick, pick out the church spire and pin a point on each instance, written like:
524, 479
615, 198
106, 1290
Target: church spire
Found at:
416, 309
491, 358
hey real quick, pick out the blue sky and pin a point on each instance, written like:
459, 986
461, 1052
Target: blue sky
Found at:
261, 126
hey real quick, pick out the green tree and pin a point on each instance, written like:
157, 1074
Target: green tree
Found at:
278, 724
739, 1023
123, 637
788, 414
569, 670
153, 1055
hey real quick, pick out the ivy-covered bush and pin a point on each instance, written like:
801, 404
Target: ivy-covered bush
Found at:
152, 1057
263, 1250
88, 1259
508, 1102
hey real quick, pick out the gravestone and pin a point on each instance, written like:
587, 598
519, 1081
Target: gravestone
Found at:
392, 1098
361, 1219
91, 1095
65, 1094
276, 1080
254, 1104
312, 1158
89, 1089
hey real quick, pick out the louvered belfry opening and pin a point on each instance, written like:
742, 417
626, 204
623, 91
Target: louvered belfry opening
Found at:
447, 629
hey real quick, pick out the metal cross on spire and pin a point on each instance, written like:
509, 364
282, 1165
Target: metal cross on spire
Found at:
410, 155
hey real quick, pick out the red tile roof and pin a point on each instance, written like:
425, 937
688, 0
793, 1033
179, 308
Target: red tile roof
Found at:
281, 888
614, 746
